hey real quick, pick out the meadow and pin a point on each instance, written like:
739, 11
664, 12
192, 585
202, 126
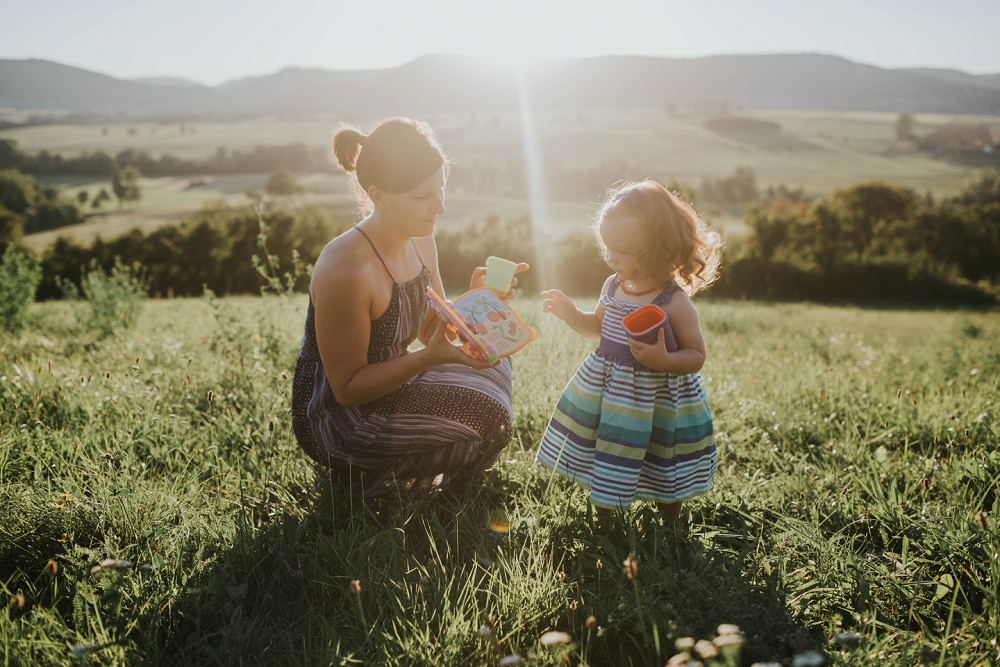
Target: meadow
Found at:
817, 151
155, 508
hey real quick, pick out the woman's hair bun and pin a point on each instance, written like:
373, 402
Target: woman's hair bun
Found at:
346, 145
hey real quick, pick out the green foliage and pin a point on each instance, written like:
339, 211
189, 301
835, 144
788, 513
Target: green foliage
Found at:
904, 126
125, 184
19, 278
740, 188
268, 266
11, 228
18, 192
115, 298
282, 183
983, 187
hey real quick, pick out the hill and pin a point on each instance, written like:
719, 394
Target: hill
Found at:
442, 83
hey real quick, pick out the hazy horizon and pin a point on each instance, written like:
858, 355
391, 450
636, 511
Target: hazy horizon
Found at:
215, 41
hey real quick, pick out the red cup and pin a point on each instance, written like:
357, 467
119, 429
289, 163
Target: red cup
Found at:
644, 323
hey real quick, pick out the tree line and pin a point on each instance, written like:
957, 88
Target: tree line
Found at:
293, 157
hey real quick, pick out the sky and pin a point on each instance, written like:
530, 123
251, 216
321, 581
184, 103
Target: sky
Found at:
213, 41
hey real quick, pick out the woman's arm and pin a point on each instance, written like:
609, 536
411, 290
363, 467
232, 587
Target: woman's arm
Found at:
690, 354
342, 303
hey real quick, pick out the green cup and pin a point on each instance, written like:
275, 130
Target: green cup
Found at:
499, 274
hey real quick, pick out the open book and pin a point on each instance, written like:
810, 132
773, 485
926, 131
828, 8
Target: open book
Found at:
489, 327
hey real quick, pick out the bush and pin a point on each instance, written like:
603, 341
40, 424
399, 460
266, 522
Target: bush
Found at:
115, 299
19, 278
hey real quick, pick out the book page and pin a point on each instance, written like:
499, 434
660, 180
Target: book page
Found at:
493, 321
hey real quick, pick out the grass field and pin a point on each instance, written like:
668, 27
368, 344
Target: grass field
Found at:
855, 512
818, 151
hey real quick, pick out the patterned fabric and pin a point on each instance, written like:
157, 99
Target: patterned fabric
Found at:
444, 425
626, 431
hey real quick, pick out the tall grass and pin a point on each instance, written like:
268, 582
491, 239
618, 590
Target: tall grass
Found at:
854, 514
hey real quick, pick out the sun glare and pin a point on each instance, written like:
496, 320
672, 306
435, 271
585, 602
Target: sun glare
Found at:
538, 200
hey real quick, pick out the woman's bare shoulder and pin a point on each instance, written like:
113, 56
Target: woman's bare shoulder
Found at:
342, 260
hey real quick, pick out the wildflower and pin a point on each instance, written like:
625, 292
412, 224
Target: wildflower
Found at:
356, 586
591, 622
684, 643
80, 650
981, 518
210, 396
553, 637
573, 605
510, 660
678, 660
51, 567
731, 639
729, 629
848, 640
631, 567
809, 659
17, 600
599, 565
706, 649
485, 631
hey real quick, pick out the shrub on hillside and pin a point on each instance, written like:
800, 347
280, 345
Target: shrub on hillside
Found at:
19, 278
115, 298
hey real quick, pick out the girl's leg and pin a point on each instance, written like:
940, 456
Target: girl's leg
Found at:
671, 511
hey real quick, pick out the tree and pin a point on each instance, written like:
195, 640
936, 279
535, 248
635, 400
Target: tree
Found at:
125, 184
282, 183
904, 127
18, 192
82, 196
100, 198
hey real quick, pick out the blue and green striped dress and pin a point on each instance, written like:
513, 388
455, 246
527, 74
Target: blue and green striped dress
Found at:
626, 431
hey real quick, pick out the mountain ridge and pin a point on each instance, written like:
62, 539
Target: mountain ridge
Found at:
437, 83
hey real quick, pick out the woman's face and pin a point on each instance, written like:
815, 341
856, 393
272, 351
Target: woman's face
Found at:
622, 237
418, 208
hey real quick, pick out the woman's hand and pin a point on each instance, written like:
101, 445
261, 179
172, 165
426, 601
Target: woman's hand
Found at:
442, 351
479, 275
557, 303
653, 355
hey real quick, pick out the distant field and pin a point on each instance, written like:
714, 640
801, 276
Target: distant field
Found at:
818, 151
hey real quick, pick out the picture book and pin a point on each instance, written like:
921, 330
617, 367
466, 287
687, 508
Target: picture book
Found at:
489, 327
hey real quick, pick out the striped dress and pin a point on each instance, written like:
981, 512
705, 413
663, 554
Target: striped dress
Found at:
441, 427
626, 431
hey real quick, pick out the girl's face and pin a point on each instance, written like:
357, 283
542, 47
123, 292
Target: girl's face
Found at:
417, 208
624, 244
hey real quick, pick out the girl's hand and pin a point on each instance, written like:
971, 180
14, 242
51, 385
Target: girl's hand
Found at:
479, 275
443, 351
558, 304
654, 355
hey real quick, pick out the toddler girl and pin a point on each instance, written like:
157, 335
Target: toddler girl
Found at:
634, 420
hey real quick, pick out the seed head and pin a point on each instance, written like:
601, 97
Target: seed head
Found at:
729, 629
684, 643
591, 622
553, 637
631, 567
599, 565
706, 649
51, 567
356, 586
981, 518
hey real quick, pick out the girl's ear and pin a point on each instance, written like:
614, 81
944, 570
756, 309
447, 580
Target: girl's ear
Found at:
375, 194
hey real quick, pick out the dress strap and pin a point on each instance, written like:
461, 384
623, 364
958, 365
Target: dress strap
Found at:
667, 292
375, 250
418, 254
613, 287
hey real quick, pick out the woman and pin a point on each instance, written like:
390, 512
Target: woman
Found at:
380, 419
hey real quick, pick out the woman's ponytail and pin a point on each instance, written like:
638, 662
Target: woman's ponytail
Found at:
346, 145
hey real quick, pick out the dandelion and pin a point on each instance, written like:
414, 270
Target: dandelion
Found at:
553, 637
631, 567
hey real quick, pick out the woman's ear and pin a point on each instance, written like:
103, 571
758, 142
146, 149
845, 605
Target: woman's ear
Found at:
375, 194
